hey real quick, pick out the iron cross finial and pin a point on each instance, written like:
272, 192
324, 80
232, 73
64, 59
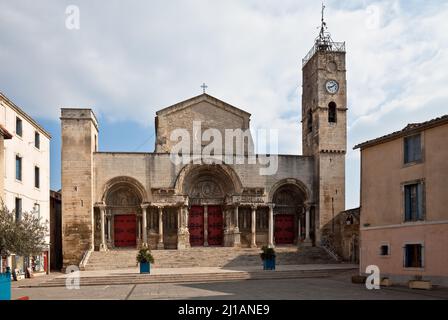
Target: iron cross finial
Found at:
204, 86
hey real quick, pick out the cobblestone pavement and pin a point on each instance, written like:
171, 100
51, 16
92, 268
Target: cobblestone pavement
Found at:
335, 287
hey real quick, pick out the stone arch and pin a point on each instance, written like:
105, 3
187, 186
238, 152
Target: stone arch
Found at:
289, 197
121, 198
124, 182
295, 184
224, 175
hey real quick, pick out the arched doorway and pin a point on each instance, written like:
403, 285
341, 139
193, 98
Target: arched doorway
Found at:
207, 187
123, 206
289, 217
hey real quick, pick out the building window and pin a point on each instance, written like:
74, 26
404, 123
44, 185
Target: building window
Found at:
413, 256
19, 168
19, 127
412, 149
413, 202
310, 121
18, 209
384, 250
36, 177
332, 112
37, 140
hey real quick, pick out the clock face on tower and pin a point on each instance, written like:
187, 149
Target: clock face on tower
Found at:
332, 86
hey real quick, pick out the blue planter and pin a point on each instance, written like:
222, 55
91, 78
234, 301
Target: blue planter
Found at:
269, 264
145, 267
5, 286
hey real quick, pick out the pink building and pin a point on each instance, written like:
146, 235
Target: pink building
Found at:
404, 215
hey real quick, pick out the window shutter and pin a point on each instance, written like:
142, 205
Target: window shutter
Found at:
417, 148
407, 204
406, 150
419, 201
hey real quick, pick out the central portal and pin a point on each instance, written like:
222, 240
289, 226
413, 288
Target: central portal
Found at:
214, 224
196, 226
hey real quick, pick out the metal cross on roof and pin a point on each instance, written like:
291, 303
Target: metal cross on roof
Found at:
204, 86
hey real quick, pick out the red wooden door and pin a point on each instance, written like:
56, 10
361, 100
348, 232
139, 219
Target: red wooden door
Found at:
215, 226
125, 230
284, 229
196, 226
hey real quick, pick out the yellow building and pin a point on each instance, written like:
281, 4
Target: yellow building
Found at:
404, 217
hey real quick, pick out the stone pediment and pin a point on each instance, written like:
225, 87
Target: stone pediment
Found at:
202, 98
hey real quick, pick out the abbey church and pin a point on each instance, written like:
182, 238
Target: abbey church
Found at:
116, 200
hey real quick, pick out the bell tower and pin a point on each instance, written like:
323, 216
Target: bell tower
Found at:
324, 126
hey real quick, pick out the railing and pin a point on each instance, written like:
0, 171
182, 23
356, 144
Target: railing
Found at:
85, 259
327, 244
320, 45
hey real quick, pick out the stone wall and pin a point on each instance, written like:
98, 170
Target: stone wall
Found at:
79, 141
325, 140
154, 170
211, 112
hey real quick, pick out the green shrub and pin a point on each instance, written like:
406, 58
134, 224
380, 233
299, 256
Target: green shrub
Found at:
144, 256
267, 253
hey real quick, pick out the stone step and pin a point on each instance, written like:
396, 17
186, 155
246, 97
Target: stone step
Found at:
206, 257
117, 279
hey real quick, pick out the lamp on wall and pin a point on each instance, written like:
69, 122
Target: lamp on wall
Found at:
349, 220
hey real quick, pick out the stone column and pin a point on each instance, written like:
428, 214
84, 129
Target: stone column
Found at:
235, 212
205, 226
144, 224
271, 226
307, 241
185, 226
110, 228
160, 244
103, 245
253, 243
236, 229
183, 236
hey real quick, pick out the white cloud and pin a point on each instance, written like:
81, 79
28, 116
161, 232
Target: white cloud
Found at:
128, 60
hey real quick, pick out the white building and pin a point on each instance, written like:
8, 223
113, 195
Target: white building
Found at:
26, 173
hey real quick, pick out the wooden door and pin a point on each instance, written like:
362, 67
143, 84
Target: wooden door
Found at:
215, 226
284, 229
125, 230
196, 226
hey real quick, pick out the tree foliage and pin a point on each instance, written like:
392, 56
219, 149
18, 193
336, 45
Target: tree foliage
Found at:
24, 237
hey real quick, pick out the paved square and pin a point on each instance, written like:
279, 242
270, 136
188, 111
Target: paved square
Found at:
335, 287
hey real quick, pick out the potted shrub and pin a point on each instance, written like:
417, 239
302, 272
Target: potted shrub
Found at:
268, 257
145, 258
386, 282
419, 283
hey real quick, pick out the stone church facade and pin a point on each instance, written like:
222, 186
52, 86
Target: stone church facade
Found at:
114, 200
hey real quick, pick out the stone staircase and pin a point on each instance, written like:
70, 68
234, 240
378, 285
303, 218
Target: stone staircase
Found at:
207, 257
135, 278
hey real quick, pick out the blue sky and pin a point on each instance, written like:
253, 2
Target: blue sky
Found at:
129, 59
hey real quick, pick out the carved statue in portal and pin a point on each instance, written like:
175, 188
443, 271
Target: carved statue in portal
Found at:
207, 189
122, 197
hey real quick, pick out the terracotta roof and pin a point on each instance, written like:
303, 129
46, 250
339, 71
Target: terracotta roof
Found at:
5, 133
409, 129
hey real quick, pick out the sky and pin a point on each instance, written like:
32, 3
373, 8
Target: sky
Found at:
129, 59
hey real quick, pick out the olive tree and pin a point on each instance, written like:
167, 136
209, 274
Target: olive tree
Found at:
24, 237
